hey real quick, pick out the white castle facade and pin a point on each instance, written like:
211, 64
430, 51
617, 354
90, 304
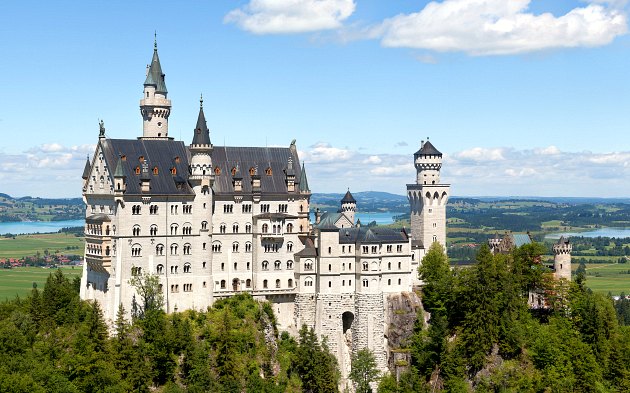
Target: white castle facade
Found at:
212, 222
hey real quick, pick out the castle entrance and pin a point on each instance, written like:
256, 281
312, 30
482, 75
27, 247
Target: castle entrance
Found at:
236, 284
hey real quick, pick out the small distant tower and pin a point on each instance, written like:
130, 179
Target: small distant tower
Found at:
494, 243
155, 107
349, 206
428, 198
562, 258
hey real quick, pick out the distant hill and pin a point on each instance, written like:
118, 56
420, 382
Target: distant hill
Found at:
40, 209
367, 201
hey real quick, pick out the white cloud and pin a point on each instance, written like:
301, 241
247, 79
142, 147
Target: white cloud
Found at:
372, 160
291, 16
324, 152
480, 154
500, 27
548, 151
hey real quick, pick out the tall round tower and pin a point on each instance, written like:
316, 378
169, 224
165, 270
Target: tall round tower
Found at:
427, 199
562, 258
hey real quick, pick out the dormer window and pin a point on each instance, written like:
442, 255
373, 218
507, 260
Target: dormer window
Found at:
177, 159
123, 158
137, 170
234, 171
173, 171
155, 170
217, 171
252, 171
268, 171
141, 158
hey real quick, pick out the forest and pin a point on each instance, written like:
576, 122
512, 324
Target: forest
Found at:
481, 336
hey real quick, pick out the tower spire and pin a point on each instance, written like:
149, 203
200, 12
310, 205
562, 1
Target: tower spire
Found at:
202, 133
155, 106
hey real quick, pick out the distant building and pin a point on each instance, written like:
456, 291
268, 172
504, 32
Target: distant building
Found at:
212, 222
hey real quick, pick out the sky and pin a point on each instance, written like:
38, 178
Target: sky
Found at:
523, 97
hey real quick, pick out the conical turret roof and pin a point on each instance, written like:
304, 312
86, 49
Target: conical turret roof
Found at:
87, 169
348, 198
155, 76
119, 172
304, 181
202, 134
427, 149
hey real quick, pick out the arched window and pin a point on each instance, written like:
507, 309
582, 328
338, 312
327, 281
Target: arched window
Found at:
136, 230
365, 266
174, 229
222, 228
289, 246
216, 247
308, 265
235, 247
277, 265
187, 248
289, 228
290, 283
204, 225
155, 170
248, 227
252, 171
159, 269
248, 283
265, 284
153, 230
365, 282
217, 171
222, 284
389, 266
278, 283
308, 282
136, 271
107, 250
159, 249
265, 265
136, 250
289, 264
265, 228
248, 247
187, 267
174, 249
235, 228
268, 171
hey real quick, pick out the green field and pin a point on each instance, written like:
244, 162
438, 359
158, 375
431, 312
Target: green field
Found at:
29, 245
19, 280
604, 278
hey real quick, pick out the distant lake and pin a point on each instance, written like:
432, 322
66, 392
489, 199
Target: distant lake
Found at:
22, 227
601, 232
381, 218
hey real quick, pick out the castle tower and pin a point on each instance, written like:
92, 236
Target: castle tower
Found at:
349, 206
155, 107
562, 258
428, 198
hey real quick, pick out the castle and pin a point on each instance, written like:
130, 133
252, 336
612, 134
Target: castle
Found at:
211, 222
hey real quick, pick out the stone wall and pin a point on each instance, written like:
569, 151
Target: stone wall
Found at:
369, 327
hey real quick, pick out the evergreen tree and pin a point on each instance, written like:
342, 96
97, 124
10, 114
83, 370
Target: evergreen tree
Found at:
363, 371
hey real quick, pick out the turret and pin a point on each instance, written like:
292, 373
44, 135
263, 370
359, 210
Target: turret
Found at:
562, 258
155, 107
428, 162
201, 149
349, 206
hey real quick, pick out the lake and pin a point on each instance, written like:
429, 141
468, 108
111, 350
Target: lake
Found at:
381, 218
22, 227
601, 232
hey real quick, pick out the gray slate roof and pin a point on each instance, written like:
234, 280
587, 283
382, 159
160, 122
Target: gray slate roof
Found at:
374, 235
304, 181
162, 154
276, 158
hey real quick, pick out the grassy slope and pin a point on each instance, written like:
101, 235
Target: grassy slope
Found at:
29, 245
19, 281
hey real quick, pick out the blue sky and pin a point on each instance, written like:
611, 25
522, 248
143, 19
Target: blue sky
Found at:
524, 97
